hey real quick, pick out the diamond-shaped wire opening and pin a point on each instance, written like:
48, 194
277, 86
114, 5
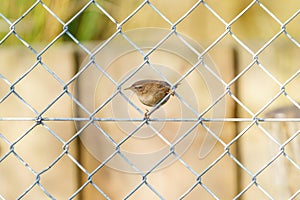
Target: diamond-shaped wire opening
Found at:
56, 8
256, 19
277, 110
39, 137
12, 174
254, 190
224, 161
38, 80
284, 170
270, 89
13, 69
265, 142
147, 11
291, 8
227, 10
173, 12
200, 17
31, 24
102, 180
51, 179
37, 190
157, 179
89, 187
94, 113
89, 17
21, 107
121, 10
10, 11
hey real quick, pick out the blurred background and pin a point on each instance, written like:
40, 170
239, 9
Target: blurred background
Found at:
48, 161
92, 24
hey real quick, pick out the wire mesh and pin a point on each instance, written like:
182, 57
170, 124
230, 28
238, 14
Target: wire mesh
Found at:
39, 118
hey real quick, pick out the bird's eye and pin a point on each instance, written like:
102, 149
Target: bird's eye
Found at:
138, 87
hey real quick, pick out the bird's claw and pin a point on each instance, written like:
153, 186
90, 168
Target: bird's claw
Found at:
146, 116
171, 92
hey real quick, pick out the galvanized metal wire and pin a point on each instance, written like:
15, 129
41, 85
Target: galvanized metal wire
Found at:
40, 118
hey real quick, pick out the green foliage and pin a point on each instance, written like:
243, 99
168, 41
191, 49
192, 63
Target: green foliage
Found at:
41, 26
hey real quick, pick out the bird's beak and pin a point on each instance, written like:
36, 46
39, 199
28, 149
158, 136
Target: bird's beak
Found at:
129, 88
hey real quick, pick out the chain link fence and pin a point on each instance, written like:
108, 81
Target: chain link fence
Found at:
53, 100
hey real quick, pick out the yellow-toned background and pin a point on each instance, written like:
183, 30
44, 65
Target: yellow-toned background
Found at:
39, 148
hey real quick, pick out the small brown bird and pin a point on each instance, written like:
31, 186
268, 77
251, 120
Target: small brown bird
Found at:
151, 92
